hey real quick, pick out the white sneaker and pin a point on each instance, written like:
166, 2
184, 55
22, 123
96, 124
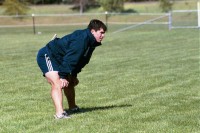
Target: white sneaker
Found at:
64, 115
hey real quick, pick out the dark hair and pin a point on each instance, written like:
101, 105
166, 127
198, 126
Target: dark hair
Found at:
96, 25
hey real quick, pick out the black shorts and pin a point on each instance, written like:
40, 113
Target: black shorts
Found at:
45, 63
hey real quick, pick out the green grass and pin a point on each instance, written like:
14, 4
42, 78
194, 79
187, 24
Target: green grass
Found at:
140, 7
179, 19
141, 80
51, 9
153, 7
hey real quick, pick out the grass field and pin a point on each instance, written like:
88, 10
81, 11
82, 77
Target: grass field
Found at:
140, 7
143, 80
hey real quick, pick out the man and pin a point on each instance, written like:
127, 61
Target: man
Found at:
63, 58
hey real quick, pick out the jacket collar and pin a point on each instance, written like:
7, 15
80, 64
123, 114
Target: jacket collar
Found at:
92, 39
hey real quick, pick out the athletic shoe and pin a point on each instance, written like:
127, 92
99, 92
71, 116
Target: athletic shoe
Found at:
64, 115
74, 110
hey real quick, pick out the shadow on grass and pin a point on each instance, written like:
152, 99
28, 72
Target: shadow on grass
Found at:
90, 109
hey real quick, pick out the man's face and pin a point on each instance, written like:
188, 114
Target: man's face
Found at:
99, 34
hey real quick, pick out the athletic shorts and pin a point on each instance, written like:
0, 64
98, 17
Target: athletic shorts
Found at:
45, 63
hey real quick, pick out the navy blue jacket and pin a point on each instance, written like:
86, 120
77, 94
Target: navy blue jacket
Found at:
72, 52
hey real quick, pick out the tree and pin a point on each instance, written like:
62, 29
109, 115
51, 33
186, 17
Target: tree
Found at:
38, 2
83, 4
112, 5
166, 5
15, 7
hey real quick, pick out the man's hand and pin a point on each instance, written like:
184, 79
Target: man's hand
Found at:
64, 83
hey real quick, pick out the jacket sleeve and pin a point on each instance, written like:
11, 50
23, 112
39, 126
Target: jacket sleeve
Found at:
72, 57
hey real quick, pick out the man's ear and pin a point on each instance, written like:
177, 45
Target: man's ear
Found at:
92, 31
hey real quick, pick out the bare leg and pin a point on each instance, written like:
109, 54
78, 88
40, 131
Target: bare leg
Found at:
56, 90
70, 95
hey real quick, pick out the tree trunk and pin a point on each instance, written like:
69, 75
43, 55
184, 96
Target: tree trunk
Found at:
82, 4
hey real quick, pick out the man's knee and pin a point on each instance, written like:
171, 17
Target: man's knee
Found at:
74, 81
53, 79
69, 87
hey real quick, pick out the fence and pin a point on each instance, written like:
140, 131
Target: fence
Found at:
183, 19
111, 19
123, 21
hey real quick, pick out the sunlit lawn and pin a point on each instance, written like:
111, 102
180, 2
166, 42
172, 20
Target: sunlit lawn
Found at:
141, 80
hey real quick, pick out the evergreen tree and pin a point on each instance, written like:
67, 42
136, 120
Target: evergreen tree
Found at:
15, 7
166, 5
112, 5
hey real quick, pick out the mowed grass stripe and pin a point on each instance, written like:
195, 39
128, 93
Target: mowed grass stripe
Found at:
138, 81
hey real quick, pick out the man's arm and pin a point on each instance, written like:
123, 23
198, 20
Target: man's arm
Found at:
71, 59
